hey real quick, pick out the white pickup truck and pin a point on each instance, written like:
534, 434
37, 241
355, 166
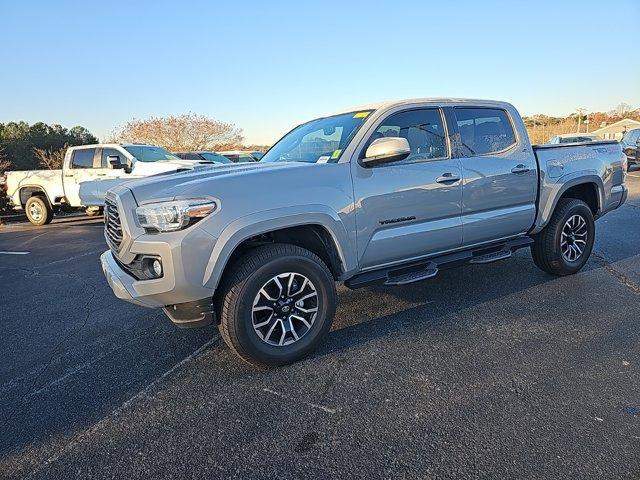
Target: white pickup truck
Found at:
88, 171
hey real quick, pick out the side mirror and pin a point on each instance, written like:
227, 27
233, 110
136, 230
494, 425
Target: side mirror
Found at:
385, 150
114, 161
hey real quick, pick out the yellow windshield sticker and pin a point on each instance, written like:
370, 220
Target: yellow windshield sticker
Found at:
336, 154
361, 115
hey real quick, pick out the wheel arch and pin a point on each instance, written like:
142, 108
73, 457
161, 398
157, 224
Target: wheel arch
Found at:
588, 188
321, 233
28, 191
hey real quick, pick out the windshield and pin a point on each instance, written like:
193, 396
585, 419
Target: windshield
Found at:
319, 141
150, 154
214, 157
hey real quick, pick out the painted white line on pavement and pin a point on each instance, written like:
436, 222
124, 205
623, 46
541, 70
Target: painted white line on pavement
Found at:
15, 253
312, 405
63, 260
632, 175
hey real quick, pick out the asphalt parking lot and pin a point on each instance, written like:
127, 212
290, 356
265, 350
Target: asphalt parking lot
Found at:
484, 371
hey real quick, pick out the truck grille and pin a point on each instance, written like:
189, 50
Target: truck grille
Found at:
112, 226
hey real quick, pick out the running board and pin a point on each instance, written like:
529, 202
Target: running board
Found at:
491, 257
430, 270
422, 270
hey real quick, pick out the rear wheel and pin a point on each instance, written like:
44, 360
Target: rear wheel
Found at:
38, 211
278, 302
565, 244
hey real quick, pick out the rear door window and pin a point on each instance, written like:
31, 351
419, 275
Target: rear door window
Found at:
83, 158
484, 131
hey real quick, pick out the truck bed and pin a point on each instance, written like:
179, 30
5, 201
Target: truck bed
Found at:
50, 180
563, 164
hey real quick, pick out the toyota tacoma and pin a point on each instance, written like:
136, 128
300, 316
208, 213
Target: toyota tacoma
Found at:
387, 193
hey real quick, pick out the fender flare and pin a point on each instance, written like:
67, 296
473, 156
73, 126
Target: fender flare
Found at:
39, 187
269, 220
564, 184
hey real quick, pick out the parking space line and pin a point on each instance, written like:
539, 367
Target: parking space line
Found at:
312, 405
15, 253
114, 413
63, 260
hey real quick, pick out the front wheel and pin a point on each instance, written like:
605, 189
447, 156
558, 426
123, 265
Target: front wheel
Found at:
278, 302
93, 211
565, 244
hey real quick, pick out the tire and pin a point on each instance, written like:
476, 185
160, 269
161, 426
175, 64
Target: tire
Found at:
547, 250
242, 312
38, 211
93, 212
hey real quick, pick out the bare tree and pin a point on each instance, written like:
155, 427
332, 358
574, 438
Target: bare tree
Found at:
51, 159
182, 133
620, 110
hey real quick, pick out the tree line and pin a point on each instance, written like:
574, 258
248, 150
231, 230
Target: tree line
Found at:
22, 145
29, 147
542, 127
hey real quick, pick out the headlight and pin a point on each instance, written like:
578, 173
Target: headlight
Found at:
174, 215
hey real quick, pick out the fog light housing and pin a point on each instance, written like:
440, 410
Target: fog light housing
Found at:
152, 267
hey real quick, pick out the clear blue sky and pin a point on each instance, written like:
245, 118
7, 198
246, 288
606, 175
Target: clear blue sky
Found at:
267, 66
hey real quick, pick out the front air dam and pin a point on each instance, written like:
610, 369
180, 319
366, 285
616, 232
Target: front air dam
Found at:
191, 314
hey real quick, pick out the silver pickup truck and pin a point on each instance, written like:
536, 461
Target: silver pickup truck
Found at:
382, 194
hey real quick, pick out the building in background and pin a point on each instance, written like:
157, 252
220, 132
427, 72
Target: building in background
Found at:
616, 130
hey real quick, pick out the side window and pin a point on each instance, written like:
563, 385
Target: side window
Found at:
106, 152
83, 158
423, 129
484, 130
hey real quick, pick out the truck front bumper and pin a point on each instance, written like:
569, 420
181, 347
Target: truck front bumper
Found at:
122, 283
186, 314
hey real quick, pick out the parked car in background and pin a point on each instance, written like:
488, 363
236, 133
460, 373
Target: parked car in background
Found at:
204, 156
573, 138
631, 146
387, 194
88, 171
257, 155
239, 156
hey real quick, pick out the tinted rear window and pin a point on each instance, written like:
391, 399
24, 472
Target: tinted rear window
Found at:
83, 158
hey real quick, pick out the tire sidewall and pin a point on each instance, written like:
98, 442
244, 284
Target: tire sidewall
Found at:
43, 206
242, 314
566, 266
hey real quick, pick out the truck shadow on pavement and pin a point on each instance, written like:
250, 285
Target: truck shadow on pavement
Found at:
386, 311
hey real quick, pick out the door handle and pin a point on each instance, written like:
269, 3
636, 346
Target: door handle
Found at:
520, 168
447, 178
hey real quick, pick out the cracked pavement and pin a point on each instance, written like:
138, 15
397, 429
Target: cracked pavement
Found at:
484, 371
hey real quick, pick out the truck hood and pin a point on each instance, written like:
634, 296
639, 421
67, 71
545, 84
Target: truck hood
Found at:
203, 178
